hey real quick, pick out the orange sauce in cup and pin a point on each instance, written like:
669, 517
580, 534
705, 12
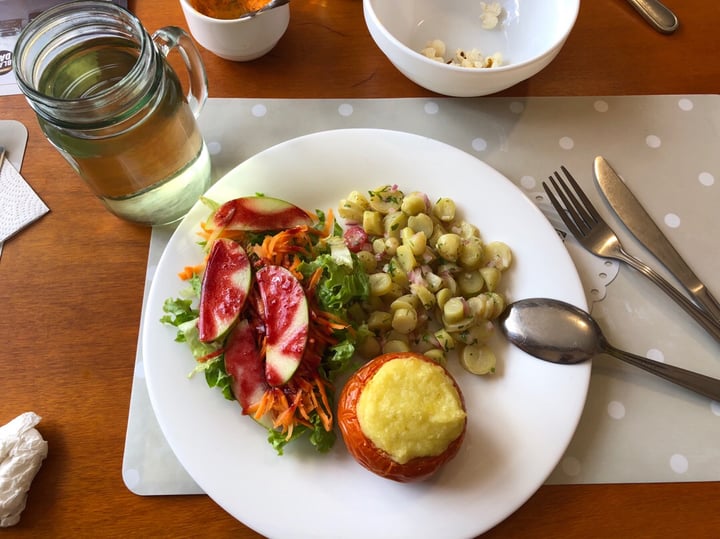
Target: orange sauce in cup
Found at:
226, 9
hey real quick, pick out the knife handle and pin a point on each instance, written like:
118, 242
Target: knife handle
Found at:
663, 250
698, 314
657, 14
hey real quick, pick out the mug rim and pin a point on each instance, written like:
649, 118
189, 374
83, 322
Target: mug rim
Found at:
187, 5
69, 12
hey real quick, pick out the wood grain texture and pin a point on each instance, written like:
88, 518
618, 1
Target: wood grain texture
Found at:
71, 285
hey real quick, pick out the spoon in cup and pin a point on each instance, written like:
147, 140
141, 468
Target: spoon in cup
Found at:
558, 332
272, 4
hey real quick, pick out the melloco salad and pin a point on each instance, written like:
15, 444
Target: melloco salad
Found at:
284, 299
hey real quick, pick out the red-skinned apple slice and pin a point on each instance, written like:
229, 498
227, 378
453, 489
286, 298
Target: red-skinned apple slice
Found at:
286, 322
244, 364
258, 213
225, 287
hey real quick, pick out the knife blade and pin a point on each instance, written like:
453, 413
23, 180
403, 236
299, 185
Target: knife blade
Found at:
629, 210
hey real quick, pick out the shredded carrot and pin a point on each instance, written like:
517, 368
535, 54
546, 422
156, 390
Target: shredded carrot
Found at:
211, 355
334, 321
286, 411
283, 248
210, 233
260, 408
205, 230
214, 235
315, 279
327, 417
309, 396
189, 271
294, 267
329, 224
330, 322
324, 339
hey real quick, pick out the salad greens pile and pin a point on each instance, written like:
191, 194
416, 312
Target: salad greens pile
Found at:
343, 283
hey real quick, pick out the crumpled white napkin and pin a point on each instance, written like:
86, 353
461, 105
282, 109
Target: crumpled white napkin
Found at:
19, 204
22, 450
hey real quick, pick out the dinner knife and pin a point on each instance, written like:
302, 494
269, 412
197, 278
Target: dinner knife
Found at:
642, 226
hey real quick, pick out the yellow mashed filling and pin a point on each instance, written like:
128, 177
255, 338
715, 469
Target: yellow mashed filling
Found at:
410, 408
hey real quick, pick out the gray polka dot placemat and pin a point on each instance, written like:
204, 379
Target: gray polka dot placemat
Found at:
635, 427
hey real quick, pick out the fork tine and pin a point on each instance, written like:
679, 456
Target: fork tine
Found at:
580, 193
561, 211
572, 203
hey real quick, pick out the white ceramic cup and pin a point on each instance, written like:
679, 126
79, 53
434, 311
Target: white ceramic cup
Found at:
234, 39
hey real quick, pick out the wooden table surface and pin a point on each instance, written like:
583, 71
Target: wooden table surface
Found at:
71, 285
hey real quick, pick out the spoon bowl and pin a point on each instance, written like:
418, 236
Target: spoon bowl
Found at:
559, 332
552, 330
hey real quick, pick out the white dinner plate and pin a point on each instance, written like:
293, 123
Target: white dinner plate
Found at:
520, 420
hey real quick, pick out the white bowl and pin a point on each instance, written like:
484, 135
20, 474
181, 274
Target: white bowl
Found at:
529, 35
239, 40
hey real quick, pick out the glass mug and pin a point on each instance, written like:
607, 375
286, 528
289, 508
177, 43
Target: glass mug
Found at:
107, 99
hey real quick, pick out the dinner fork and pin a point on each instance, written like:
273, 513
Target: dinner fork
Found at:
594, 234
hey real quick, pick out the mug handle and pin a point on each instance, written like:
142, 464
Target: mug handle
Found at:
170, 37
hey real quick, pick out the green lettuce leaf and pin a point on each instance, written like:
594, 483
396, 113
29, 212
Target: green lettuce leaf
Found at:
216, 375
321, 439
184, 317
340, 285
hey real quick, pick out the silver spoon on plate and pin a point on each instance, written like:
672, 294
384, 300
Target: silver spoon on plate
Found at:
562, 333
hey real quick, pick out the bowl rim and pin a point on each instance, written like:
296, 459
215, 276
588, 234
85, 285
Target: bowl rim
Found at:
187, 5
370, 11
